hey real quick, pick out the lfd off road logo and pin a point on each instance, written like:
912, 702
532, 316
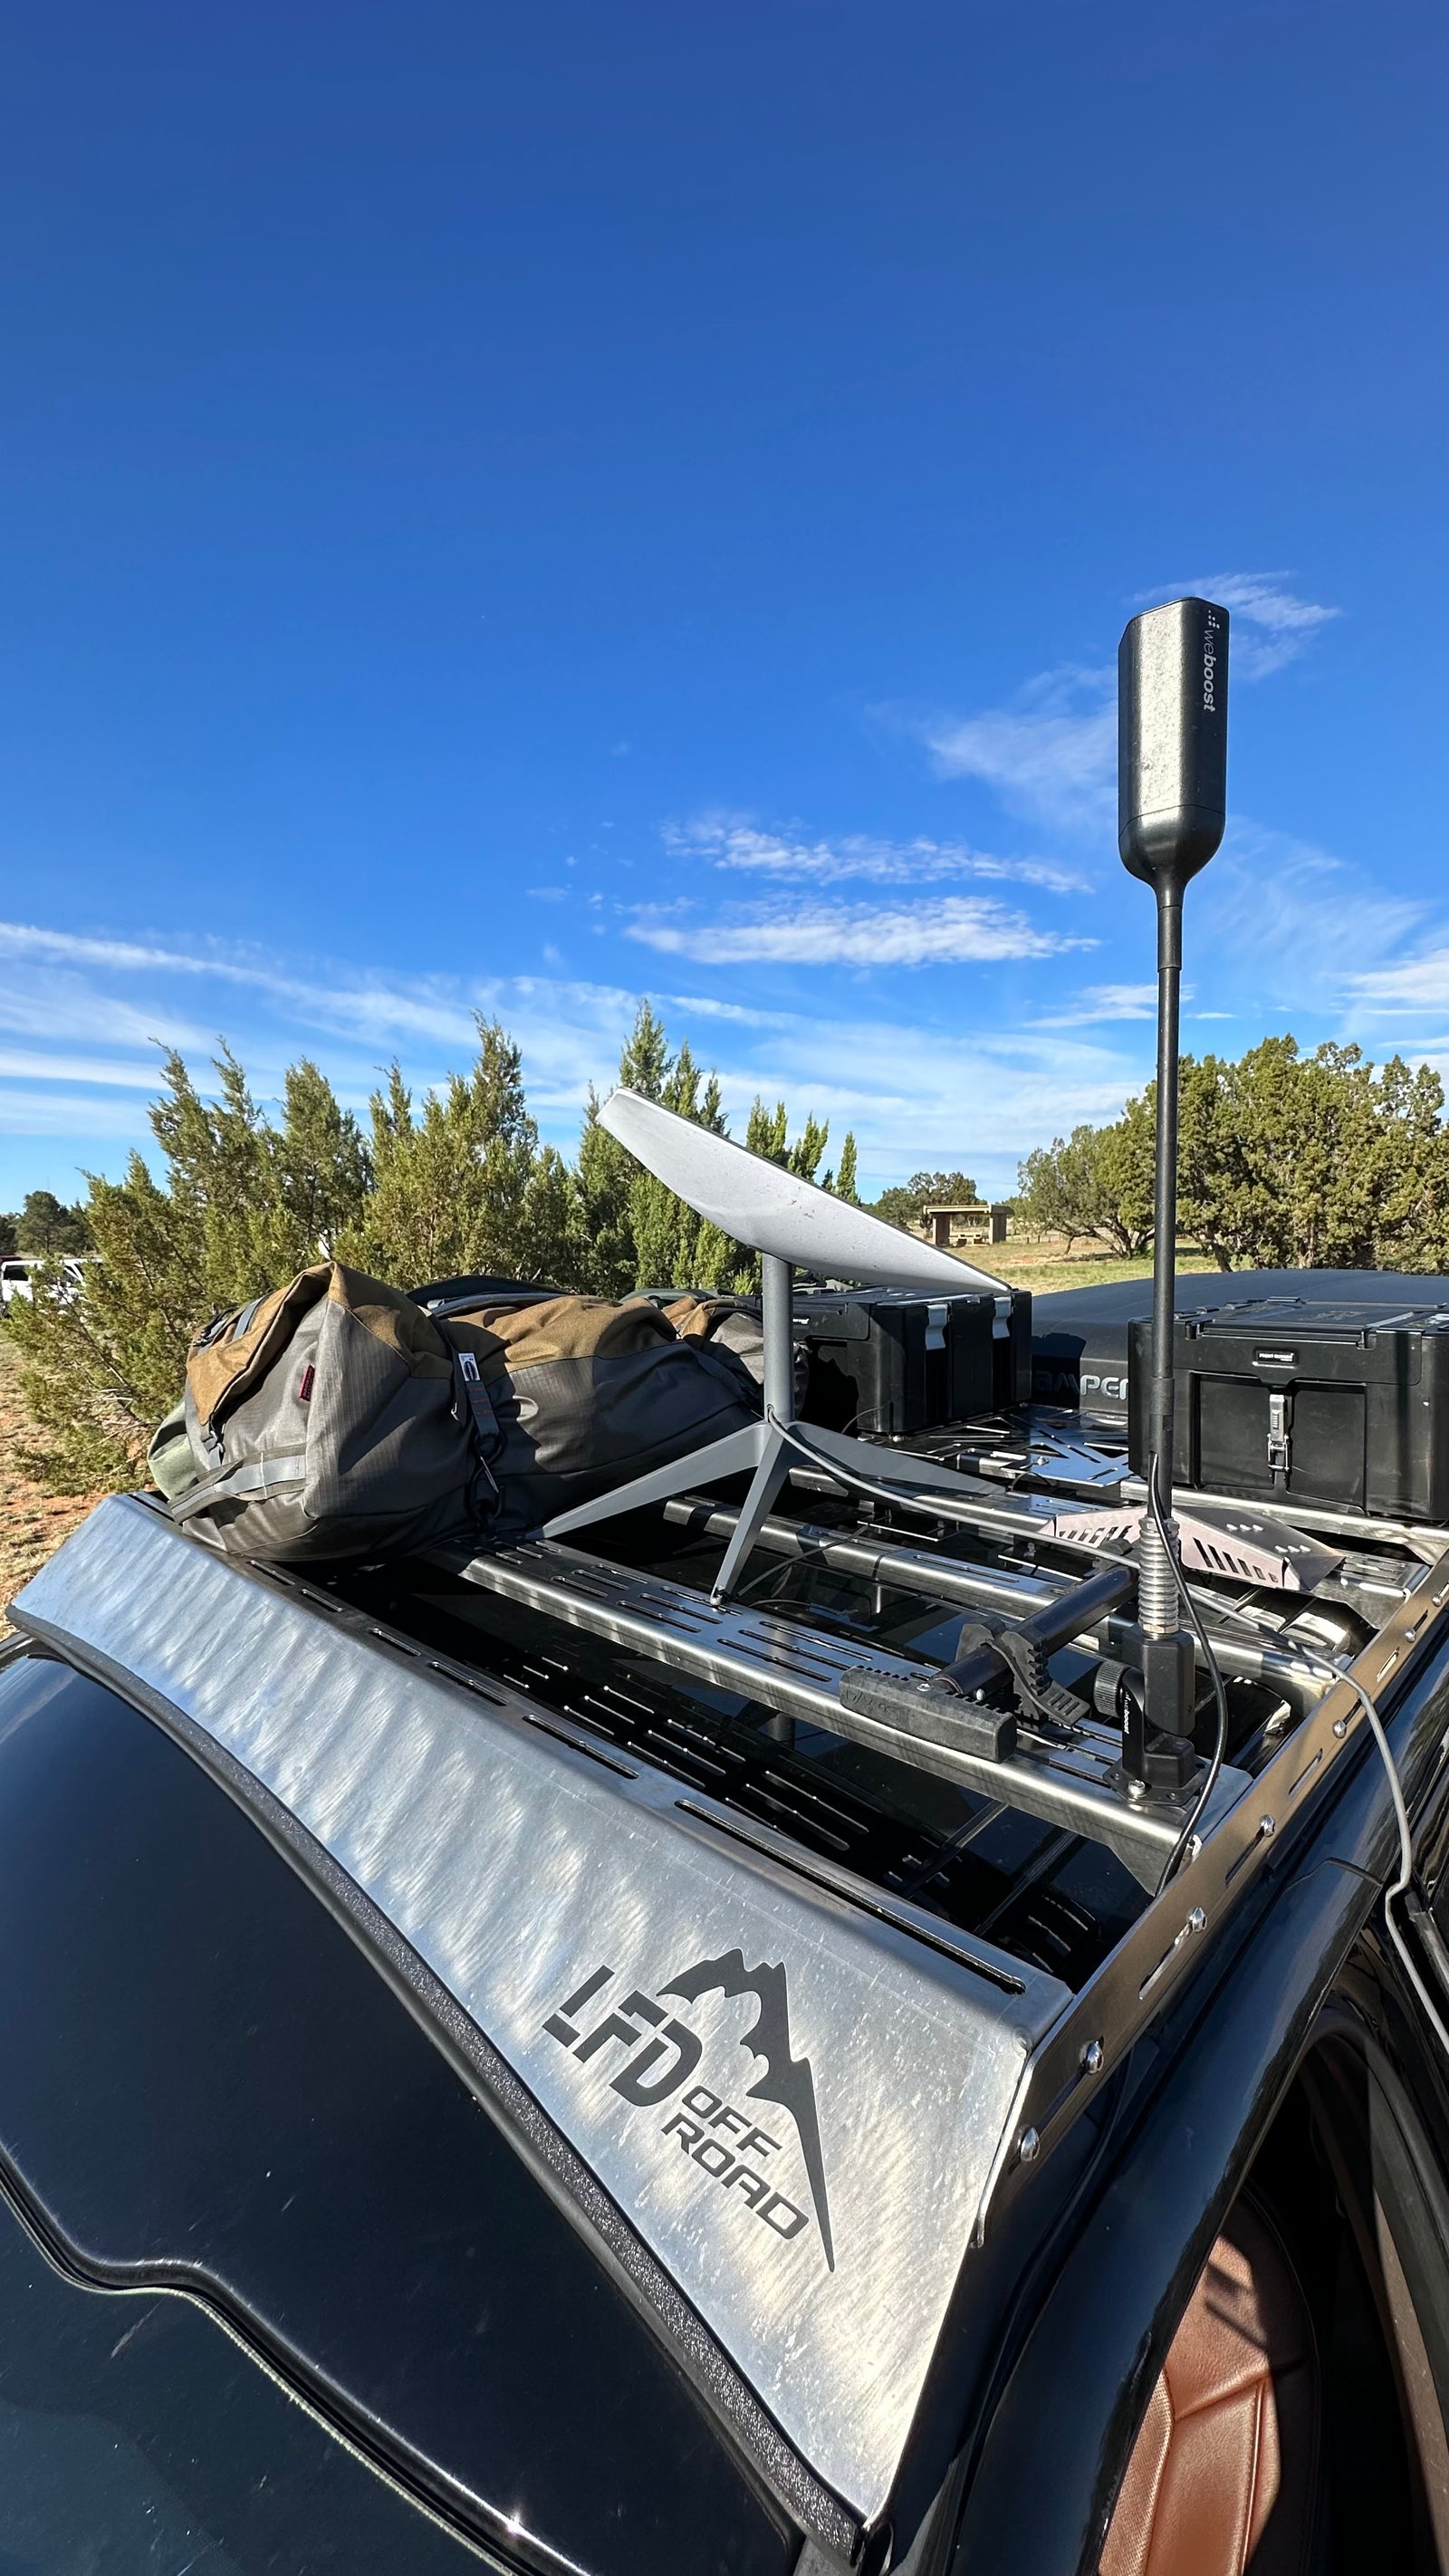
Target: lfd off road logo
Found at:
663, 2057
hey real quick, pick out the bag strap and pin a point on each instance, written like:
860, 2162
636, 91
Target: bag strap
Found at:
472, 1403
240, 1484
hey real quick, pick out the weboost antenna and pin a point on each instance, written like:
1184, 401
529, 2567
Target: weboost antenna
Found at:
1172, 766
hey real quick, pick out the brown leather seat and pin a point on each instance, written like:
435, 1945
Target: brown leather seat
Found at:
1223, 2477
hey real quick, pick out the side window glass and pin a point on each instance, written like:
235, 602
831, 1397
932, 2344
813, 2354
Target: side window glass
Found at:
1299, 2417
1410, 2240
137, 2439
1392, 2191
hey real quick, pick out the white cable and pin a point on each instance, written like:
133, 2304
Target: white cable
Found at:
1183, 1844
1317, 1663
1404, 1881
908, 1497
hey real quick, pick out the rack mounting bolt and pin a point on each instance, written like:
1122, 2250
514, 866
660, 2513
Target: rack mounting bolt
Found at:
1030, 2147
1092, 2056
1340, 1727
1266, 1827
1196, 1919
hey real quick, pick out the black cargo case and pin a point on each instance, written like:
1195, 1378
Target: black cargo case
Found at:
889, 1361
1344, 1405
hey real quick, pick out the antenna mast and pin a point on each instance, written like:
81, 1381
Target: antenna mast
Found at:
1172, 758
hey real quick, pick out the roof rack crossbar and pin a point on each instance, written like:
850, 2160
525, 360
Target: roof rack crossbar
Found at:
993, 1587
799, 1670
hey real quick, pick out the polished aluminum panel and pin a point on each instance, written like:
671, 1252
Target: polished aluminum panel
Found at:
1243, 1547
846, 2093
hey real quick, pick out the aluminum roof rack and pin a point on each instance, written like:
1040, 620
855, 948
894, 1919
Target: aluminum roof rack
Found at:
802, 1672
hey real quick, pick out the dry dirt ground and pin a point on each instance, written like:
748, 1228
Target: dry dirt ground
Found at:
32, 1522
1042, 1269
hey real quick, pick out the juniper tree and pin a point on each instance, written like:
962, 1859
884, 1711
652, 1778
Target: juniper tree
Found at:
240, 1205
635, 1232
1313, 1162
45, 1225
673, 1246
605, 1172
451, 1179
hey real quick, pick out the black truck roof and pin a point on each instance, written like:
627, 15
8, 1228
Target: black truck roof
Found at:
568, 1923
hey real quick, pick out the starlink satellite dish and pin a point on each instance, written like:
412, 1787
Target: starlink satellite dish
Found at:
793, 1226
775, 1212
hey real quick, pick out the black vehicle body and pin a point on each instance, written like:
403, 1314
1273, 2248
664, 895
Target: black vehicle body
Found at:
282, 2217
1082, 1337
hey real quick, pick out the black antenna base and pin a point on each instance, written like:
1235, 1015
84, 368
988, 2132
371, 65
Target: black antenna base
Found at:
1156, 1695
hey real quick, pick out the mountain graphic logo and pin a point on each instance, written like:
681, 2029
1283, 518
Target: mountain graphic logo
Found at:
787, 2079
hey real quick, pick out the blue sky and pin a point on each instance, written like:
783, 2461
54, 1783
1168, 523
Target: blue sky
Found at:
521, 508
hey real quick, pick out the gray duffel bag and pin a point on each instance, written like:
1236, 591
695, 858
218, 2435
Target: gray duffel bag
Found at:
335, 1419
587, 1395
327, 1420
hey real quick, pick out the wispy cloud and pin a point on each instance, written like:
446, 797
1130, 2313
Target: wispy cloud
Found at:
1102, 1002
59, 1004
369, 1008
975, 1100
1410, 985
705, 1006
1271, 624
121, 956
57, 1113
34, 1064
1049, 755
917, 1089
1301, 929
733, 841
57, 991
952, 930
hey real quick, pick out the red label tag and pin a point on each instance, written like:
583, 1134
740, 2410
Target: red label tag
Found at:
304, 1391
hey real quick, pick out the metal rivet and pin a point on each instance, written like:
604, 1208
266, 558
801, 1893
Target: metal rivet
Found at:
1340, 1727
1266, 1827
1092, 2056
1196, 1919
1030, 2147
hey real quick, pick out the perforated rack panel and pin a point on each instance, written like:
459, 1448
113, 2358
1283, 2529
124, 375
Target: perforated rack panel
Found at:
798, 1670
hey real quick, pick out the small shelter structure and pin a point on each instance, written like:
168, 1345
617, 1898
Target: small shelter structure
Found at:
977, 1222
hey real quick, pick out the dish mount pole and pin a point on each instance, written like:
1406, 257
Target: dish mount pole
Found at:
1172, 744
